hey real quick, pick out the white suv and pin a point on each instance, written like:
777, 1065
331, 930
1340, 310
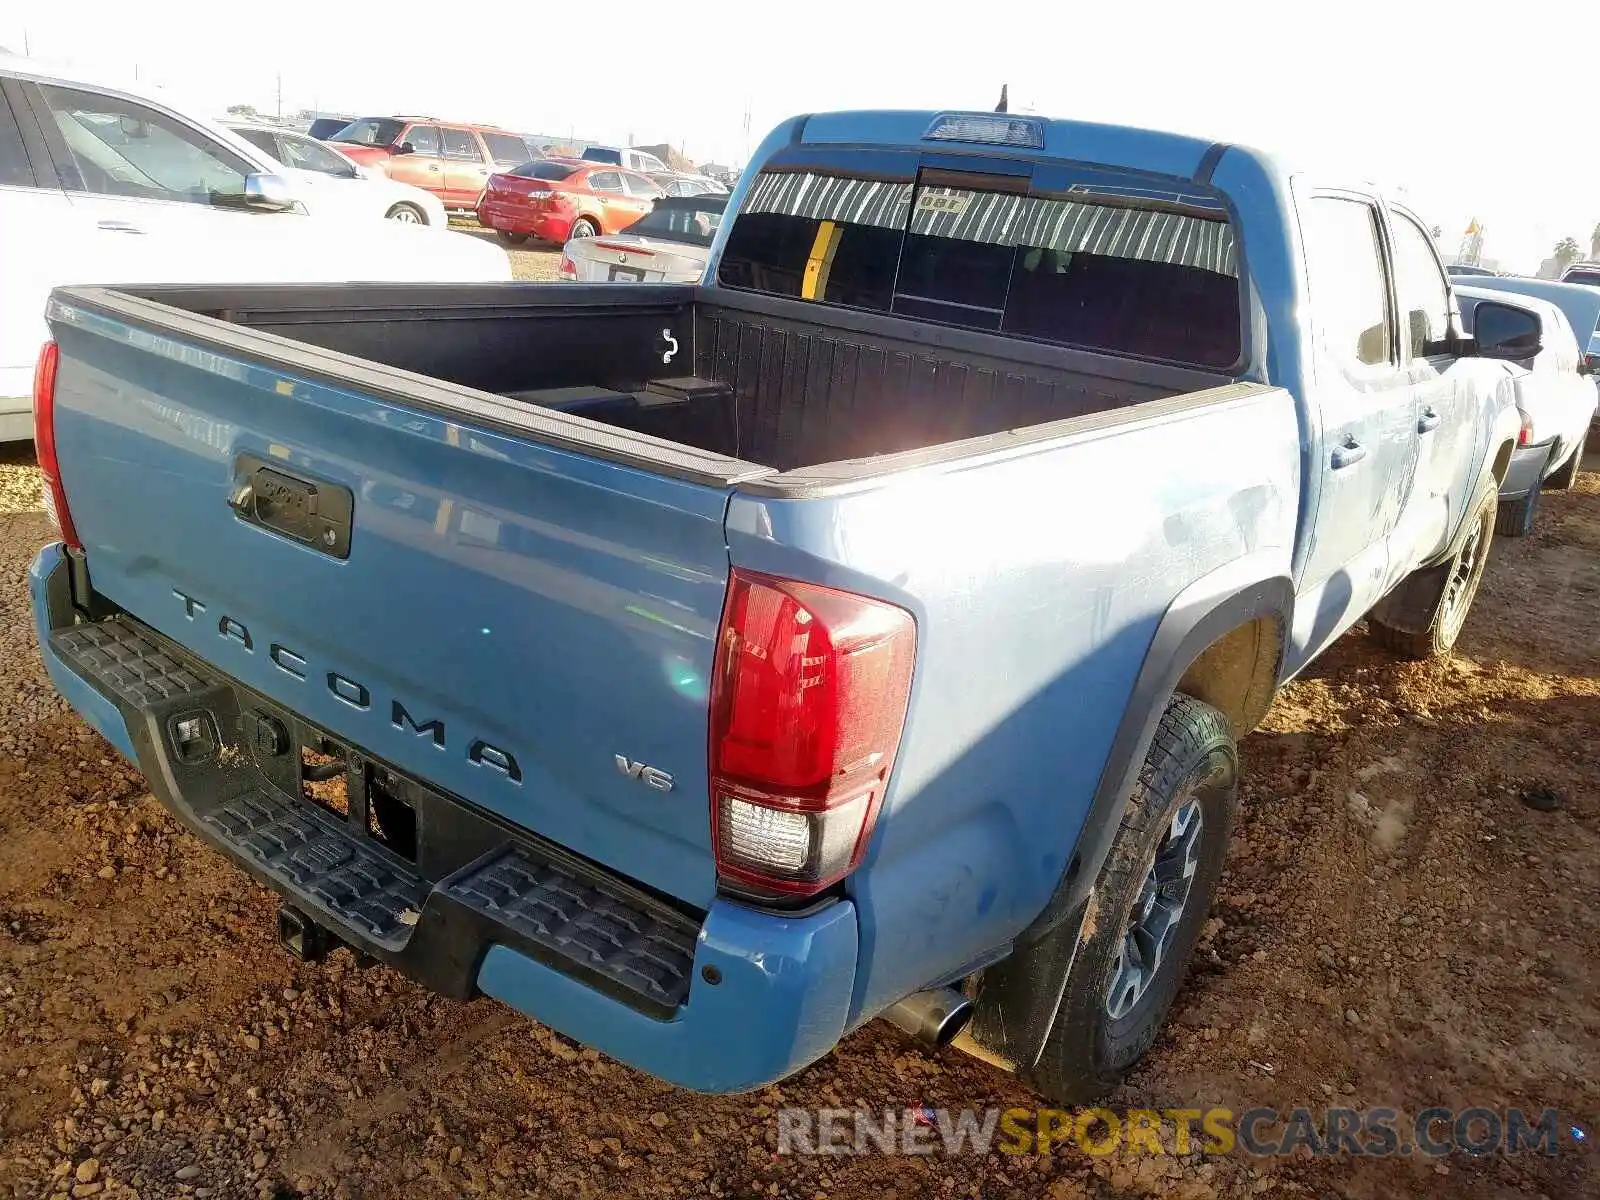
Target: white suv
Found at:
105, 184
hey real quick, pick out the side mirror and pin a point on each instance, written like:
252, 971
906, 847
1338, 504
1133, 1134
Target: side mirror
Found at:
268, 193
1502, 331
405, 148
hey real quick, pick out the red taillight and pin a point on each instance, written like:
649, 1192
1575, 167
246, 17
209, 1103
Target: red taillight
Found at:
808, 702
44, 442
1525, 434
568, 269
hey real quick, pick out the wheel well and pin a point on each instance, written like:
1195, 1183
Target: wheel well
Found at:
1502, 461
1238, 673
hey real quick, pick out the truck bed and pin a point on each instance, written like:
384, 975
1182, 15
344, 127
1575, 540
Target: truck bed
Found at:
757, 380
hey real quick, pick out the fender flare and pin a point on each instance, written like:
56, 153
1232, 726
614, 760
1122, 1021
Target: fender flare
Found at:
1020, 995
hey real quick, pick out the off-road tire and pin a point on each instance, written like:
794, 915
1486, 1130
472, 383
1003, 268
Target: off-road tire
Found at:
1514, 518
1568, 474
1191, 759
1448, 604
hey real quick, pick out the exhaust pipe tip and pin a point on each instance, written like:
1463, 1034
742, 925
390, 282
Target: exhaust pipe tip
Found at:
933, 1017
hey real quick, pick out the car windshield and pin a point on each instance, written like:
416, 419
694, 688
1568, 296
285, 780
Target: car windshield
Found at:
1586, 275
603, 155
691, 219
370, 131
545, 168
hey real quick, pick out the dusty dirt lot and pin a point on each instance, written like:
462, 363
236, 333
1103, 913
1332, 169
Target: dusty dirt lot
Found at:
536, 263
1397, 927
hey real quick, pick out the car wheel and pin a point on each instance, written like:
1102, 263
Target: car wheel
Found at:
510, 239
1568, 474
1431, 605
406, 214
1150, 900
583, 227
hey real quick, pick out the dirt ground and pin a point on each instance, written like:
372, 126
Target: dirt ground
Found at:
1398, 926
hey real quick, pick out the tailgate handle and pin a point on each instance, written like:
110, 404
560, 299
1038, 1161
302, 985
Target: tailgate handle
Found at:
313, 512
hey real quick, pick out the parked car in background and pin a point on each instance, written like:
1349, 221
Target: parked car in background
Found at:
337, 181
868, 630
1584, 272
625, 156
103, 182
1466, 269
561, 199
669, 244
1580, 303
673, 183
452, 161
1556, 401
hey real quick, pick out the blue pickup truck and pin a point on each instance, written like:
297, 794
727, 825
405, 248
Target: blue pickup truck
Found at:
865, 632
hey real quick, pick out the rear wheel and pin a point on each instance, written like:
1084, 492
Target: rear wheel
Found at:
510, 239
1150, 901
1568, 474
583, 227
406, 214
1442, 606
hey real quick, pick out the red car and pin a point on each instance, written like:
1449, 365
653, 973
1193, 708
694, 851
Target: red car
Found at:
559, 198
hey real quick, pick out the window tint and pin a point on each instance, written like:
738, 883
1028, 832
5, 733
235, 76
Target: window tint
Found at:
605, 181
370, 131
503, 148
424, 139
1146, 276
309, 155
544, 169
639, 185
14, 168
118, 148
1420, 285
647, 162
261, 140
1579, 275
1349, 294
690, 219
602, 154
459, 143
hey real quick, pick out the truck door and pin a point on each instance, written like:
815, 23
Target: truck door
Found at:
1448, 392
1369, 444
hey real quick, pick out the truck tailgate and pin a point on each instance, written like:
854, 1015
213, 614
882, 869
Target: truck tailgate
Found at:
527, 627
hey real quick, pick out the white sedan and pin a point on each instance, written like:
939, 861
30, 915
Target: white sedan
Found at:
669, 244
336, 184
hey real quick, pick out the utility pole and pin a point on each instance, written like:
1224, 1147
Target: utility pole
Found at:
26, 51
280, 95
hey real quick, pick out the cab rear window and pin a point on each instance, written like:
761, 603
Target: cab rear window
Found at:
1128, 270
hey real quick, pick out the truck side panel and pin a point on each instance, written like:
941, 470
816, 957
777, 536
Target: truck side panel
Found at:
1075, 547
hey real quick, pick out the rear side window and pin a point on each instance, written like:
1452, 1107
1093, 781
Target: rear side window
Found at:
1349, 293
503, 148
459, 143
1127, 273
605, 181
261, 140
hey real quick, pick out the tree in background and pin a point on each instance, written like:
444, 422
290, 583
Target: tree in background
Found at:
243, 110
1567, 252
1594, 243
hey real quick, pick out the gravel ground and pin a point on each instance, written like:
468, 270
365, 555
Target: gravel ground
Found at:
1397, 926
526, 263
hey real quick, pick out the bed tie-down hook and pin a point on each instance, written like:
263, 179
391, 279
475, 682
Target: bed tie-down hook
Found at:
671, 344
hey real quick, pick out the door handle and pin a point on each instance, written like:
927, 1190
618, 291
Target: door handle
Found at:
433, 166
1350, 453
118, 226
1428, 422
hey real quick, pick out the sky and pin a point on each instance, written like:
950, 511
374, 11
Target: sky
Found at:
1479, 111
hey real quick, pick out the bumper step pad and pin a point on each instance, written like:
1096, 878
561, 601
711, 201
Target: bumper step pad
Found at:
476, 882
638, 950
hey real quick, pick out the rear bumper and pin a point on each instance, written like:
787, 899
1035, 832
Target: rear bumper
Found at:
545, 226
16, 415
722, 1001
1526, 471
